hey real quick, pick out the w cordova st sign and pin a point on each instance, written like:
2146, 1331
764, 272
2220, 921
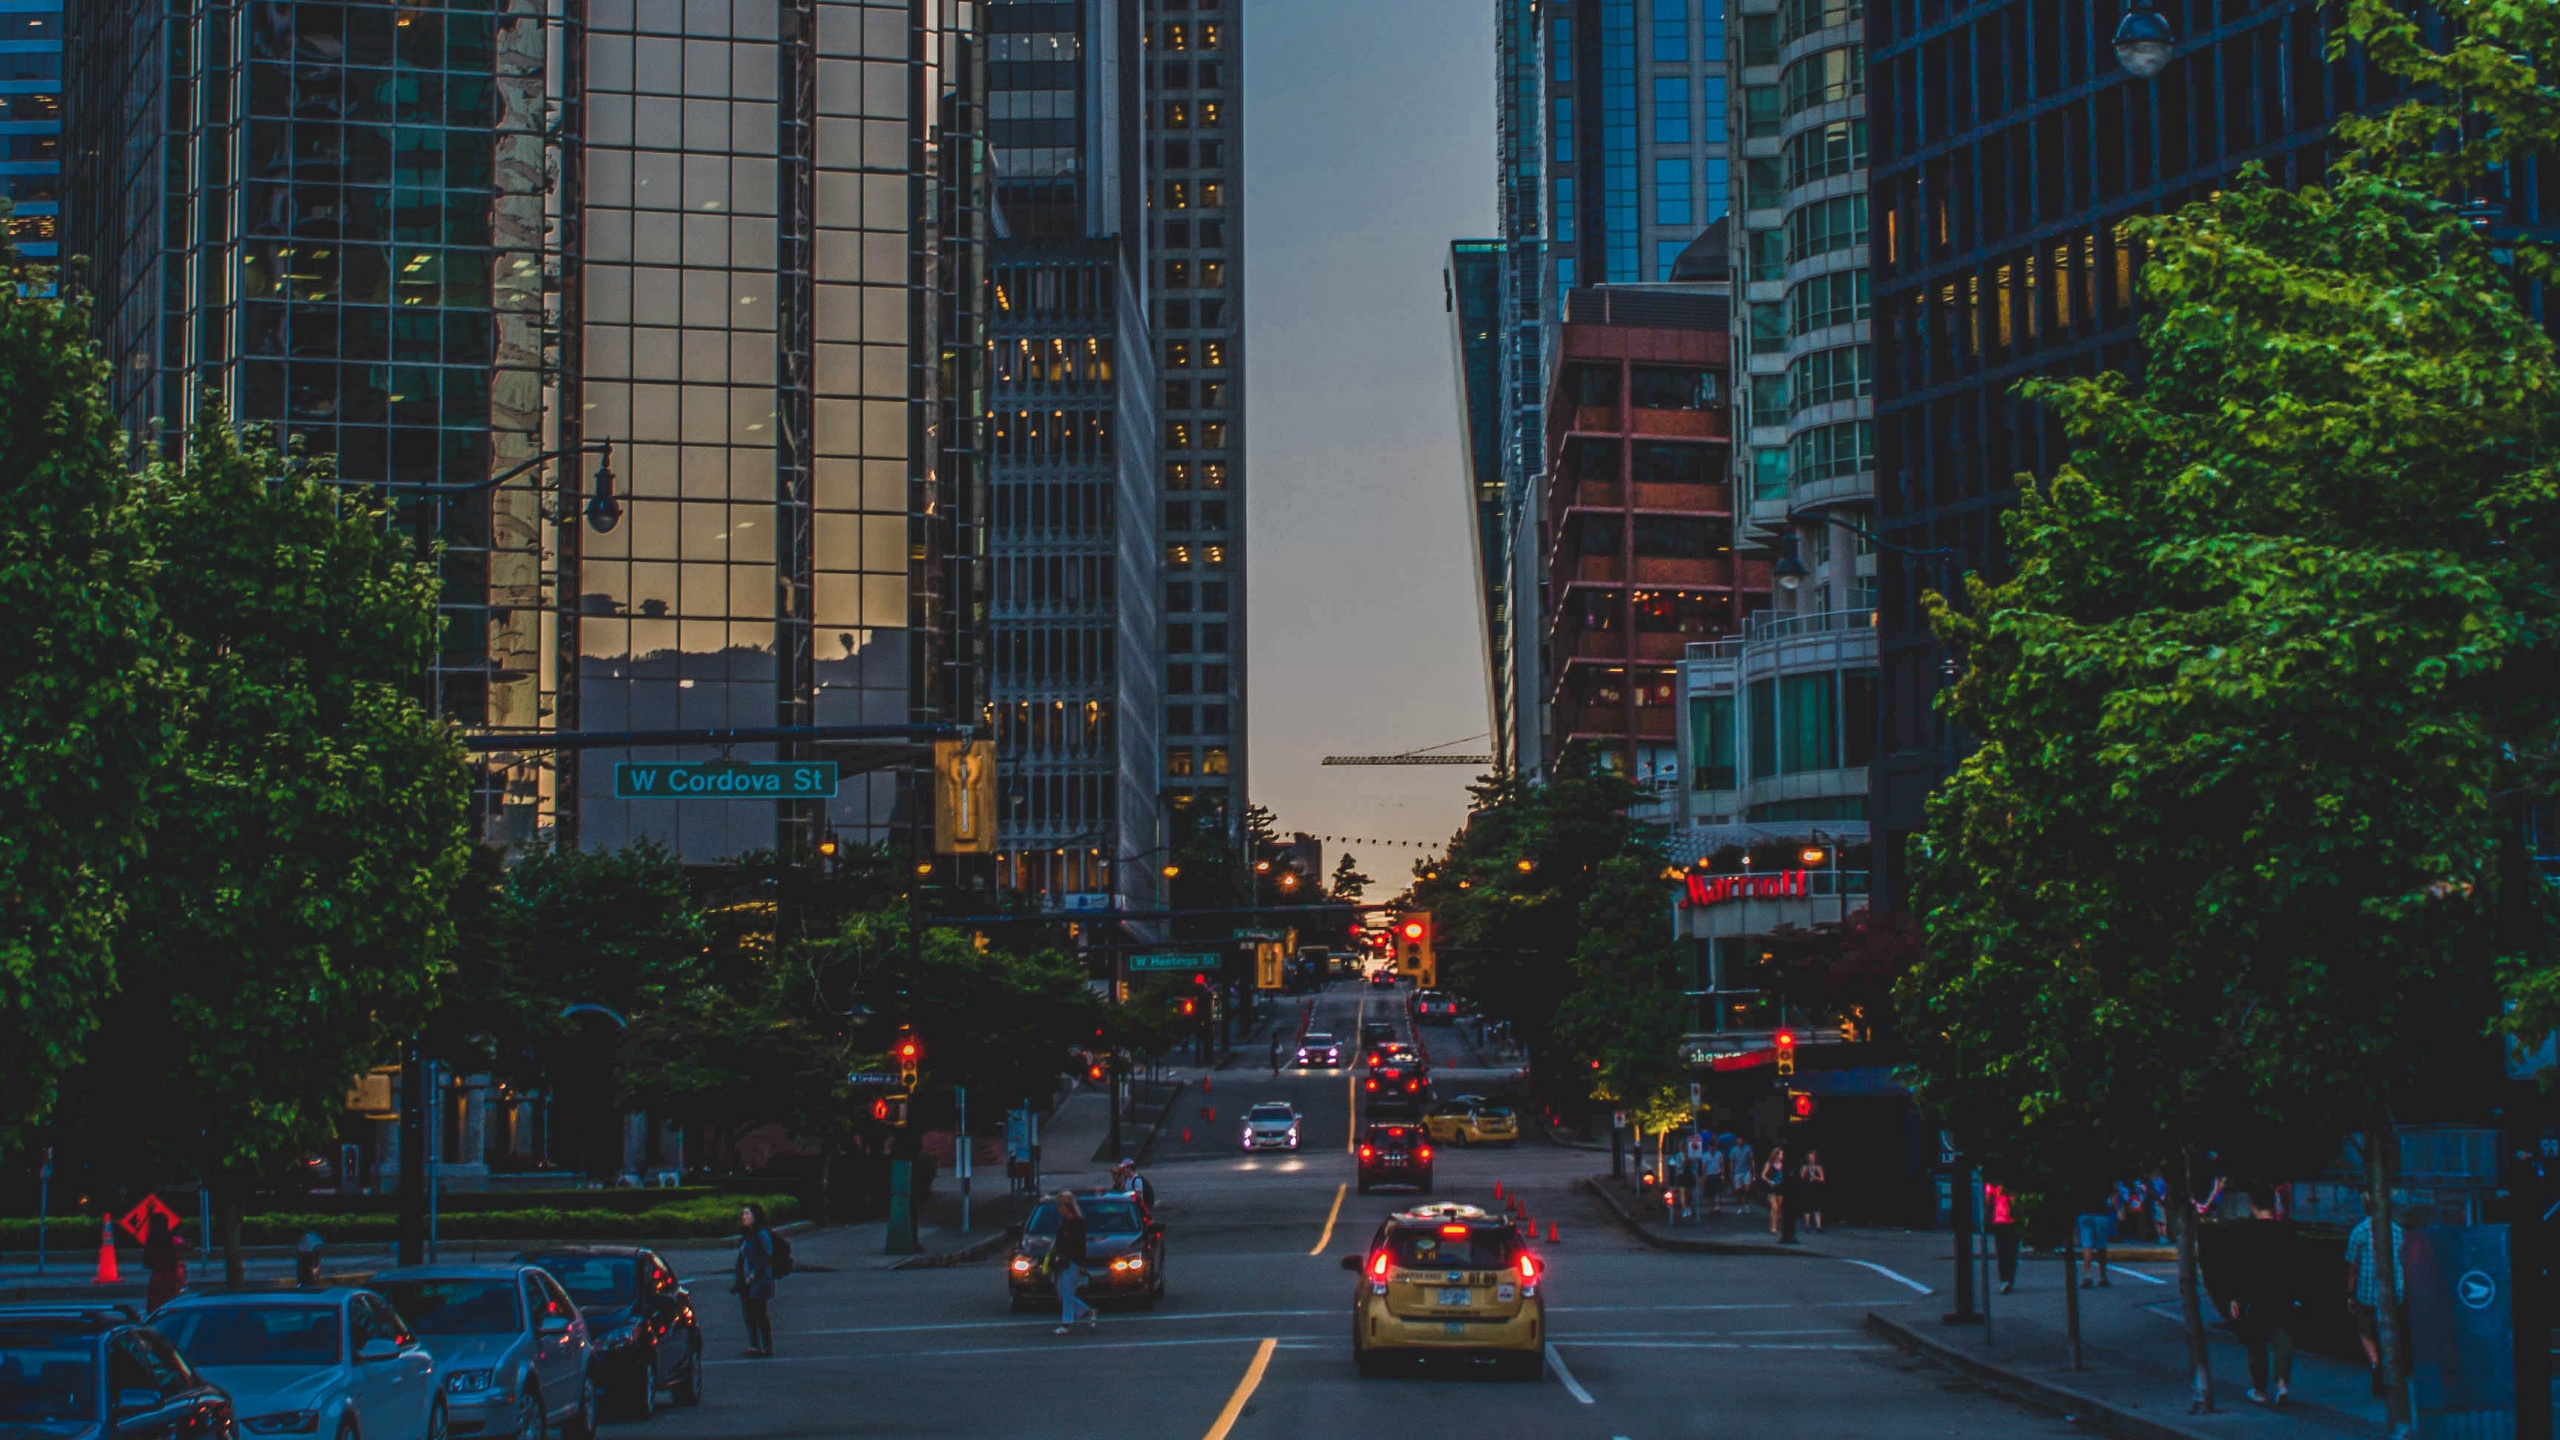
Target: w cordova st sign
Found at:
1716, 889
726, 780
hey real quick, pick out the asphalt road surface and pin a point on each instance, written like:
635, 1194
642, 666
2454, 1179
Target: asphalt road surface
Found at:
1252, 1340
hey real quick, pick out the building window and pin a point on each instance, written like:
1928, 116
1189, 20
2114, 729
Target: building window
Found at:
1670, 109
1768, 475
1177, 719
1560, 221
1177, 638
1828, 452
1714, 27
1177, 596
1213, 719
1177, 679
1768, 400
1761, 113
1759, 40
1666, 258
1671, 198
1830, 375
1711, 742
1177, 475
1213, 760
1671, 31
1763, 698
1768, 255
1769, 329
1800, 18
1839, 223
1839, 298
1825, 151
1177, 760
1560, 50
1809, 722
1715, 110
1560, 131
1822, 78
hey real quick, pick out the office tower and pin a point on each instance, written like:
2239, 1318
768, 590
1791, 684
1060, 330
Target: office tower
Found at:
1471, 289
1194, 88
2009, 145
1073, 458
438, 241
1635, 152
31, 126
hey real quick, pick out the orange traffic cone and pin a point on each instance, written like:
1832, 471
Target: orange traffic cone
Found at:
106, 1252
1551, 1234
1186, 1134
1209, 1112
1497, 1189
1204, 1084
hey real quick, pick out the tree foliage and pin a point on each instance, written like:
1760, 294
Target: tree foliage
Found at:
86, 716
291, 916
2228, 862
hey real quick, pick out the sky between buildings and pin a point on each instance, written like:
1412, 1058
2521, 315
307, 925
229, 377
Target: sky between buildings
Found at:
1368, 147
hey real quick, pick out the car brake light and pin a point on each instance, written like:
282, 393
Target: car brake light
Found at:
1426, 1152
1453, 1229
1373, 1084
1378, 1264
1366, 1152
1528, 1266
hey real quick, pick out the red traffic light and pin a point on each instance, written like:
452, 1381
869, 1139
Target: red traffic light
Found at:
1413, 929
1093, 1073
1189, 1005
1200, 980
909, 1050
1786, 1039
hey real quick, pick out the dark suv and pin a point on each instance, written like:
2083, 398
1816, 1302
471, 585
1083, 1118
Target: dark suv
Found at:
84, 1372
1395, 1155
1397, 1084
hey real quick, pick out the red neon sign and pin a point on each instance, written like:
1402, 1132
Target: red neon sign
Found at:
1716, 889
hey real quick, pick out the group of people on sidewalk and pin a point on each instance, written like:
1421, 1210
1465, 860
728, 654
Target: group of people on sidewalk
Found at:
1723, 1166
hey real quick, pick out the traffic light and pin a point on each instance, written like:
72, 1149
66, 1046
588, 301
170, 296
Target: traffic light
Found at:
910, 1053
1190, 1007
1413, 950
1800, 1106
1786, 1043
890, 1110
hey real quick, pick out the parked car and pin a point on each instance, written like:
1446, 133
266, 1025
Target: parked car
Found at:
303, 1362
91, 1372
643, 1334
509, 1343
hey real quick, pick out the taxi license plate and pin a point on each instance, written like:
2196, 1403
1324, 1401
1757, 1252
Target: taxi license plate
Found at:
1456, 1296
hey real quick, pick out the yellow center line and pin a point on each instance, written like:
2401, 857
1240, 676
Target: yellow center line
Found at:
1327, 1238
1244, 1390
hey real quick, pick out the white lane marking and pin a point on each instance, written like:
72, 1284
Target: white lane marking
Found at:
2136, 1274
1572, 1386
1765, 1305
1894, 1275
1015, 1324
1711, 1345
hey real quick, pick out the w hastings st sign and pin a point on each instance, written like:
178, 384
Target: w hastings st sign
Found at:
1716, 889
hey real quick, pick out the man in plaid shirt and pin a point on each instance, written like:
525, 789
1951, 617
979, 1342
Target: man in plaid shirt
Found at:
2364, 1289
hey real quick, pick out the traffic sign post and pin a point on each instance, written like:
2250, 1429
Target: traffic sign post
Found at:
872, 1077
1174, 960
726, 780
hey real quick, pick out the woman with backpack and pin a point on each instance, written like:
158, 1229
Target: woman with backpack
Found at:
762, 1255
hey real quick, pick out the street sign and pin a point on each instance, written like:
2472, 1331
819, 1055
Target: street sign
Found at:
1086, 902
726, 780
1258, 936
872, 1077
137, 1221
1173, 960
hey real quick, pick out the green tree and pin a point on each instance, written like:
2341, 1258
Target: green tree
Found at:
2228, 864
85, 715
291, 917
1348, 882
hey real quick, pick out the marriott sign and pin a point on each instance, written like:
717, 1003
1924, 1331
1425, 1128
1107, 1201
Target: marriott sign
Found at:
1715, 889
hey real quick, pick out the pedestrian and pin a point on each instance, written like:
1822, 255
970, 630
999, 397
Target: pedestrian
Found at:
1711, 1175
2364, 1291
1066, 1263
1744, 1178
753, 1284
164, 1255
1126, 1180
2265, 1298
1774, 1176
2096, 1231
2004, 1233
1816, 1179
1275, 1054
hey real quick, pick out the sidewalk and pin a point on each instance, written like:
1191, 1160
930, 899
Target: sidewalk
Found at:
2134, 1378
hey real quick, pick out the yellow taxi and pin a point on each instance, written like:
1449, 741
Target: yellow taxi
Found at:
1448, 1280
1465, 1120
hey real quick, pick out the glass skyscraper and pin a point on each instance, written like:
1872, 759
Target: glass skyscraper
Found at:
436, 239
31, 125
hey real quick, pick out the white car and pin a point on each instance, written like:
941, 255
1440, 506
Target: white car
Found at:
335, 1362
1271, 1125
1319, 1050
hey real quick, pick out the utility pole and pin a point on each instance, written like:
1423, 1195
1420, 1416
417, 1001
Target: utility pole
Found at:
1961, 1195
413, 1153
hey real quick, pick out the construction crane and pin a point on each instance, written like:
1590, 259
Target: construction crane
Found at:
1423, 756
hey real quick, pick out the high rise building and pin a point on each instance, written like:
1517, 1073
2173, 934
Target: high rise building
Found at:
1195, 200
1074, 459
437, 241
31, 125
2009, 145
1471, 289
1635, 151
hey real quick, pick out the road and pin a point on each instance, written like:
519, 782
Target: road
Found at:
1253, 1333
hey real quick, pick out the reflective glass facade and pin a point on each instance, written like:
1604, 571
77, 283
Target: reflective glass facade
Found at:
31, 125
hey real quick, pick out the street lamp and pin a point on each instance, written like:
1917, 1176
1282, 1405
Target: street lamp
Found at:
603, 509
2143, 40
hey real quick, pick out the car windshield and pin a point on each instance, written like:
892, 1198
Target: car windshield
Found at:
1479, 1248
1101, 1217
1271, 1112
455, 1307
596, 1282
1494, 1112
209, 1335
47, 1373
1317, 1037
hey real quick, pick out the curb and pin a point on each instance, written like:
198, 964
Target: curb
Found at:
1598, 1188
970, 1253
2071, 1405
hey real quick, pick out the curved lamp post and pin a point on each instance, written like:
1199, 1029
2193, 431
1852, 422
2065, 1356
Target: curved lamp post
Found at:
2143, 40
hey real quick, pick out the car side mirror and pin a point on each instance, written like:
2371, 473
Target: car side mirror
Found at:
136, 1400
1351, 1262
552, 1325
378, 1347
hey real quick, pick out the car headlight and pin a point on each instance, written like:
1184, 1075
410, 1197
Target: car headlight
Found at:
1021, 1264
618, 1336
464, 1381
287, 1422
1132, 1263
